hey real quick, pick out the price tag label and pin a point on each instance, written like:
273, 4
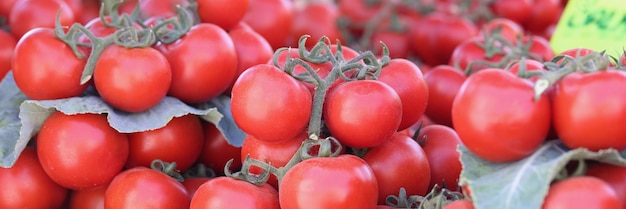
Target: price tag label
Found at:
594, 24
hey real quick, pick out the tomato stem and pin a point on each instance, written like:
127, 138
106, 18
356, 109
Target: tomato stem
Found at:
199, 171
167, 168
245, 174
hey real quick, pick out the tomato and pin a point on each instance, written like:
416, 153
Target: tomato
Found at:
384, 207
581, 192
444, 82
469, 52
100, 30
192, 184
224, 13
81, 151
89, 198
514, 10
141, 187
179, 141
344, 182
227, 192
90, 10
7, 45
543, 14
529, 65
277, 154
398, 43
399, 163
507, 29
440, 143
259, 99
495, 110
539, 46
159, 8
365, 100
217, 151
614, 175
132, 79
460, 204
316, 19
36, 70
5, 8
26, 185
251, 48
28, 14
209, 73
358, 11
586, 114
272, 19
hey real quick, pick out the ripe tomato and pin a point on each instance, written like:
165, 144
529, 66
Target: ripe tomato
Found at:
316, 19
141, 187
495, 110
365, 100
358, 11
192, 184
539, 46
460, 204
7, 45
89, 198
36, 71
269, 104
399, 163
26, 185
272, 19
217, 151
159, 8
252, 49
224, 13
581, 192
508, 29
529, 65
5, 8
586, 114
81, 151
543, 14
179, 141
198, 77
614, 175
440, 143
344, 182
29, 14
225, 192
471, 51
407, 80
515, 10
444, 82
398, 43
277, 154
99, 29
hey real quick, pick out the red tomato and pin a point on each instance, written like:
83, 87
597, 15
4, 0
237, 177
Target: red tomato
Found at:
224, 13
5, 8
495, 110
365, 100
345, 182
543, 14
407, 80
399, 163
89, 198
100, 30
74, 162
614, 175
586, 114
141, 187
272, 19
581, 192
90, 10
159, 8
132, 79
539, 46
471, 51
277, 154
440, 143
460, 204
179, 141
28, 14
209, 73
36, 71
217, 151
529, 65
508, 29
7, 45
259, 99
358, 11
252, 49
226, 192
398, 43
26, 185
316, 19
444, 82
515, 10
192, 184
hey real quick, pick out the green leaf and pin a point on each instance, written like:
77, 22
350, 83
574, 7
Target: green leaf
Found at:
524, 183
233, 134
10, 99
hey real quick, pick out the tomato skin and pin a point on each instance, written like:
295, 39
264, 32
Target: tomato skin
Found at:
581, 192
397, 42
81, 151
540, 46
485, 118
470, 51
252, 49
159, 8
508, 29
7, 46
225, 192
614, 175
5, 8
217, 151
515, 10
440, 144
317, 183
277, 154
399, 163
26, 185
192, 184
586, 115
359, 98
460, 204
179, 141
444, 83
224, 13
28, 14
543, 14
316, 19
258, 104
90, 198
271, 19
209, 73
141, 187
407, 80
36, 70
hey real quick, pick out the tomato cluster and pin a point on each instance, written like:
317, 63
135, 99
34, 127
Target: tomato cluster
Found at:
344, 104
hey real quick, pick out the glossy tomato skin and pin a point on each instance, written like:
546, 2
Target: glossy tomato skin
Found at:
180, 141
224, 13
132, 79
440, 144
90, 198
515, 10
407, 80
345, 182
225, 192
26, 185
586, 114
81, 151
269, 104
217, 151
460, 204
204, 63
7, 45
614, 175
494, 110
272, 19
365, 100
470, 51
28, 14
315, 19
399, 163
141, 187
543, 14
508, 29
581, 192
5, 8
539, 46
36, 70
444, 83
252, 49
192, 184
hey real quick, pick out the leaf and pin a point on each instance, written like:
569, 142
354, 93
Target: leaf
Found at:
524, 183
10, 99
233, 134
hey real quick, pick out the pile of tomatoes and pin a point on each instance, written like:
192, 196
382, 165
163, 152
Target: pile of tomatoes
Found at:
344, 104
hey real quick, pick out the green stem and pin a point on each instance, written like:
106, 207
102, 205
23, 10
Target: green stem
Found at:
167, 168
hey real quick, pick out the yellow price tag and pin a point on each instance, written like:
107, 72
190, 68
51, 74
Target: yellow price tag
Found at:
594, 24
